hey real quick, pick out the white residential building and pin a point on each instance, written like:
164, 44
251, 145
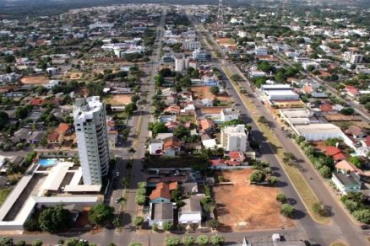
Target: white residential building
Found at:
242, 34
92, 139
260, 51
234, 138
228, 114
353, 58
191, 45
181, 63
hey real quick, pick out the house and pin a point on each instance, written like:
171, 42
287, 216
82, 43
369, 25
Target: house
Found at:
352, 91
155, 147
356, 132
173, 109
206, 125
346, 182
237, 156
162, 192
234, 138
344, 166
37, 102
228, 114
58, 135
335, 153
160, 213
327, 108
171, 146
191, 212
209, 143
35, 137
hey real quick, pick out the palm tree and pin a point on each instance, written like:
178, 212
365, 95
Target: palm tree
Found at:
124, 182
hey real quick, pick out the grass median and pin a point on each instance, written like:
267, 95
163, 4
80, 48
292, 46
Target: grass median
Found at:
299, 183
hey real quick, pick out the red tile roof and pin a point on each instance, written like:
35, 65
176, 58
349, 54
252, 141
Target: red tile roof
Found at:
351, 89
326, 107
63, 128
171, 143
335, 153
163, 190
37, 101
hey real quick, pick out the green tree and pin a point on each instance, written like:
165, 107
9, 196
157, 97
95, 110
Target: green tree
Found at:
202, 240
357, 161
6, 241
54, 219
347, 111
135, 244
280, 77
214, 90
181, 132
325, 172
142, 184
273, 179
22, 112
287, 210
101, 214
4, 118
236, 77
257, 176
351, 205
138, 221
362, 215
172, 241
217, 240
188, 240
158, 127
140, 200
37, 242
21, 243
281, 198
167, 226
130, 108
213, 223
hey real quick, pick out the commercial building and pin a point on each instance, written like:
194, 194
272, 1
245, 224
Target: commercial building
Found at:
317, 132
92, 139
234, 138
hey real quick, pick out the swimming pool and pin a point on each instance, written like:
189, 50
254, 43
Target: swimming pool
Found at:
47, 162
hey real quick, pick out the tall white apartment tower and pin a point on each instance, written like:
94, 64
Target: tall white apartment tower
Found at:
92, 139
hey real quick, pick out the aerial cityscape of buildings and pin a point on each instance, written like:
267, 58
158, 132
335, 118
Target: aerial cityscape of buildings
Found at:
161, 124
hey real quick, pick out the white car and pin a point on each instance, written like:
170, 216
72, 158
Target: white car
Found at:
117, 174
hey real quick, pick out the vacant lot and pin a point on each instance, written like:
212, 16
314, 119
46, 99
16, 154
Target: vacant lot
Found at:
74, 75
118, 100
202, 92
35, 80
246, 207
341, 117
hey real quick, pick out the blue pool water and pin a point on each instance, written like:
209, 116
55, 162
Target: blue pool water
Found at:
47, 162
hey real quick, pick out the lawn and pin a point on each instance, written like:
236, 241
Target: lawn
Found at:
247, 207
303, 189
4, 194
186, 118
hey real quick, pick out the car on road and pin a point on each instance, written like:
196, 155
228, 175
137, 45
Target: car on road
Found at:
117, 174
365, 227
119, 199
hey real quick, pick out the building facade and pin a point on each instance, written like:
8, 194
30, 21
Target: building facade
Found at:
92, 139
234, 138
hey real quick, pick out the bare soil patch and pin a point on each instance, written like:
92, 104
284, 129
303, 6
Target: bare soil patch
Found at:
202, 92
35, 80
117, 100
247, 207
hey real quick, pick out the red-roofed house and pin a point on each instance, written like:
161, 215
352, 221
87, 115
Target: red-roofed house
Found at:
352, 91
335, 153
162, 192
327, 108
171, 146
37, 102
173, 109
366, 142
206, 125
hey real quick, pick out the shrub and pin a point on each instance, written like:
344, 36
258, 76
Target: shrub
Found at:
202, 240
214, 224
21, 243
138, 221
167, 226
257, 176
351, 205
362, 215
217, 240
140, 200
6, 241
172, 241
287, 210
37, 242
188, 240
281, 198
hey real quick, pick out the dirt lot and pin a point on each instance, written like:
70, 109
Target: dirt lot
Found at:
341, 117
35, 80
118, 100
246, 207
202, 92
74, 75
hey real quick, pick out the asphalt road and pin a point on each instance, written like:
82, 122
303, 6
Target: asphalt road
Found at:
342, 227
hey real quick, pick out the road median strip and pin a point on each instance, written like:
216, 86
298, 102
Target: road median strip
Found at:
304, 191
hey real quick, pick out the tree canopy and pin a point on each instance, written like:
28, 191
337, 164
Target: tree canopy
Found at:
101, 214
54, 219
